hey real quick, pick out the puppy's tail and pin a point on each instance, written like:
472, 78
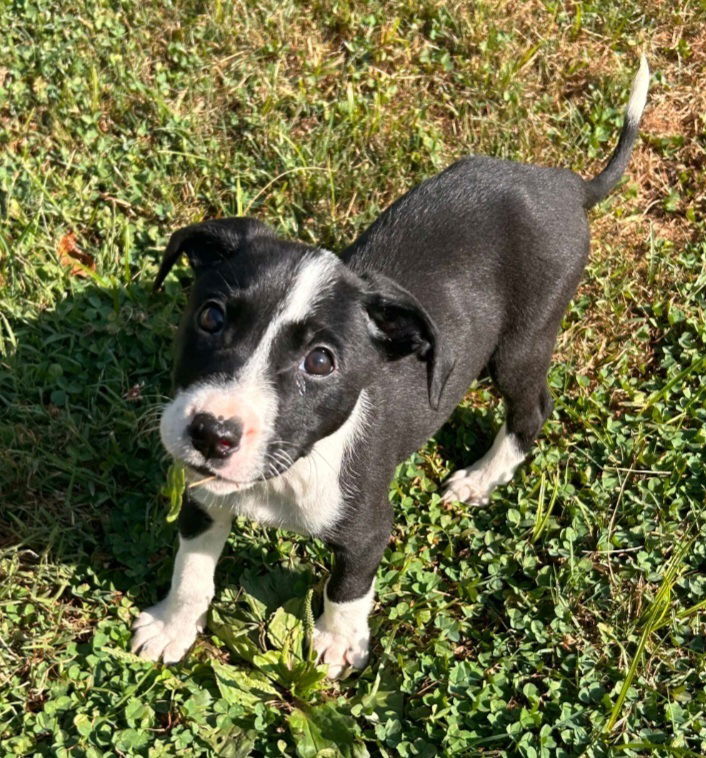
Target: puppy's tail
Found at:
601, 185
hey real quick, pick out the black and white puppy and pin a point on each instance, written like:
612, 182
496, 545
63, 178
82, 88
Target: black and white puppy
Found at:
303, 378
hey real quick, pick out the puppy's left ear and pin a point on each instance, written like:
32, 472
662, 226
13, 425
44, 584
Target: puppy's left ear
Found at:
400, 326
210, 242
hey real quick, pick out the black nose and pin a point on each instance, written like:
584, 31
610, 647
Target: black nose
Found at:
214, 438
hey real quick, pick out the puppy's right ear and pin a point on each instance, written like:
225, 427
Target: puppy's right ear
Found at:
210, 242
400, 326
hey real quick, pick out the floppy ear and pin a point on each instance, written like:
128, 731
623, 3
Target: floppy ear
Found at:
399, 326
210, 242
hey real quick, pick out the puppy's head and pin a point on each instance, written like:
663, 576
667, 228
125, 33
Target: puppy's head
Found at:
275, 346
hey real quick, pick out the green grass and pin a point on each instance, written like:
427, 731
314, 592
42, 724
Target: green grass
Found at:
564, 619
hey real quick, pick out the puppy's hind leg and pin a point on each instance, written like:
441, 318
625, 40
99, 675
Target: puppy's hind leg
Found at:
522, 381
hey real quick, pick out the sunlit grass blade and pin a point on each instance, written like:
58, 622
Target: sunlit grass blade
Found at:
653, 618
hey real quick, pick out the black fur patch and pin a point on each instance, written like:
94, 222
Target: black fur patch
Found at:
193, 520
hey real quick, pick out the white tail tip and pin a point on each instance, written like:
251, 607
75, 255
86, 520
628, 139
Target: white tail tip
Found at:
638, 93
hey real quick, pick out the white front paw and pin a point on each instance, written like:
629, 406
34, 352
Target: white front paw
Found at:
341, 650
468, 486
162, 633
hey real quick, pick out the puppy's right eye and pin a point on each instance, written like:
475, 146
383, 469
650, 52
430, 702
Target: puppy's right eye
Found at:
211, 318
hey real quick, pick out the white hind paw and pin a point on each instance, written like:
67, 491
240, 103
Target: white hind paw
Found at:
467, 486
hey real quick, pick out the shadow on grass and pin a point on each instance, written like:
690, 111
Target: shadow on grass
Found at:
81, 391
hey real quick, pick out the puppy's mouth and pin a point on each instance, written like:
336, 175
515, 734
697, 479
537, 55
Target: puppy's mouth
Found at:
204, 475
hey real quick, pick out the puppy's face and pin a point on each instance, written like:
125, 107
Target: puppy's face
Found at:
274, 348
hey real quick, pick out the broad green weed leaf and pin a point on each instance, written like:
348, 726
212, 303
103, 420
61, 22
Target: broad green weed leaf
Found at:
307, 679
286, 631
271, 664
174, 490
232, 742
235, 633
324, 732
242, 688
258, 609
267, 592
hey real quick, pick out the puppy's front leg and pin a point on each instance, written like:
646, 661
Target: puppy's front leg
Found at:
342, 635
167, 630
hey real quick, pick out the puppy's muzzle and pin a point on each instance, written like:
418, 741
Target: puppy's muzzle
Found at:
215, 438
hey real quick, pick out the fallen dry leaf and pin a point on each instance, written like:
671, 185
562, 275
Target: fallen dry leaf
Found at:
72, 257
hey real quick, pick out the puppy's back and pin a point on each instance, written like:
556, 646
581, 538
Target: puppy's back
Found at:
479, 220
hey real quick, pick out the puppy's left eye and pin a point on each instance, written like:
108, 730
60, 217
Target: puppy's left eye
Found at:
318, 362
211, 318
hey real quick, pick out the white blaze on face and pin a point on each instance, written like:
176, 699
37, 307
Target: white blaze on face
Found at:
249, 396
